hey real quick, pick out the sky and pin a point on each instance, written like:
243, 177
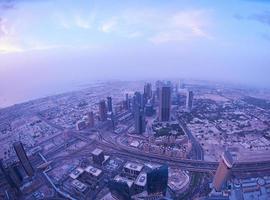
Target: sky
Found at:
51, 46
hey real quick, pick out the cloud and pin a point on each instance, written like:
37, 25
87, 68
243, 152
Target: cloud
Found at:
75, 19
82, 23
263, 17
135, 34
159, 27
109, 26
182, 26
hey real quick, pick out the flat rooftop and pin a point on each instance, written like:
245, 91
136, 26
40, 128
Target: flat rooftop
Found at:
133, 166
94, 171
141, 179
76, 173
97, 152
79, 185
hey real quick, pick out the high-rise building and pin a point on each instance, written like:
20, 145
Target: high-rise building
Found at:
91, 119
11, 176
165, 103
223, 171
23, 158
98, 156
148, 90
127, 102
120, 190
181, 85
157, 180
102, 110
111, 117
149, 109
139, 120
189, 100
158, 86
109, 104
138, 99
15, 175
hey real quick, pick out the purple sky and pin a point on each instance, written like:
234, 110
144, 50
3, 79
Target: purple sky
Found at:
50, 46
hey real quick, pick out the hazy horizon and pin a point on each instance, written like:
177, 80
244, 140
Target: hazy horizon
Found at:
43, 52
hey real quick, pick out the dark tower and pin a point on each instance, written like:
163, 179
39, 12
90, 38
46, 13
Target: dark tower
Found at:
23, 158
165, 103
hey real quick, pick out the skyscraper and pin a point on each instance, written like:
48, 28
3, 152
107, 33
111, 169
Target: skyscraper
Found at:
13, 181
91, 119
223, 171
158, 86
102, 110
127, 102
109, 103
15, 175
139, 120
148, 90
23, 158
189, 100
157, 180
165, 103
138, 99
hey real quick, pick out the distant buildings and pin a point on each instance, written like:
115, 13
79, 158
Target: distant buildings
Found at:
223, 171
189, 100
157, 181
109, 104
165, 103
102, 110
18, 147
158, 86
181, 85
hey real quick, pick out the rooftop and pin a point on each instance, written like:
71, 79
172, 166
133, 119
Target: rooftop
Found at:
94, 171
97, 152
133, 166
141, 179
78, 185
76, 173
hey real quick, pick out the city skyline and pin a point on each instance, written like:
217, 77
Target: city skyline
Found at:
99, 40
178, 139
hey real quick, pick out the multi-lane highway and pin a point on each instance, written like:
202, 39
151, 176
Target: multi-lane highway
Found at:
196, 164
